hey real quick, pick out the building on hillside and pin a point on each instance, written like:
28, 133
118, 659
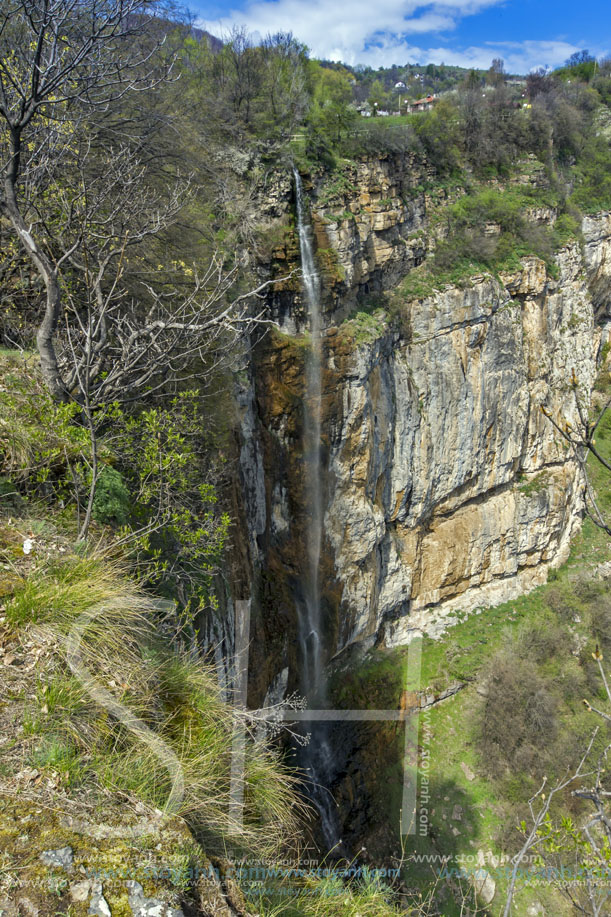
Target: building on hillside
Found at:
400, 85
424, 104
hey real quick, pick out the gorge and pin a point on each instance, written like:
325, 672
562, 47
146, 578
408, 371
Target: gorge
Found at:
439, 486
305, 485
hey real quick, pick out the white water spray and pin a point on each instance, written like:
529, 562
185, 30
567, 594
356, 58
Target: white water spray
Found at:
318, 756
310, 623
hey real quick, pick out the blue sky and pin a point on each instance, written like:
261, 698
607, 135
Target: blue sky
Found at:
525, 33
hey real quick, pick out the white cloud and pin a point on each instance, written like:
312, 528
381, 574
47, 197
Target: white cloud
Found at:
343, 29
519, 57
384, 32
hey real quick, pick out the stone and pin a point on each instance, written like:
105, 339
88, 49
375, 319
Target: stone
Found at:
436, 430
26, 907
80, 891
147, 907
62, 858
457, 813
446, 488
483, 885
98, 904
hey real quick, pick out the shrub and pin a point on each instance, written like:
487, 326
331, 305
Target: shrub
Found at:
40, 443
376, 136
593, 186
518, 719
468, 247
600, 622
112, 501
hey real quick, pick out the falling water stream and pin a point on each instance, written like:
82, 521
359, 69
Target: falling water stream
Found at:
316, 757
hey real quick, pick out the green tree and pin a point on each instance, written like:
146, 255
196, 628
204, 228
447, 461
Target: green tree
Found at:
285, 87
379, 98
331, 114
439, 135
496, 73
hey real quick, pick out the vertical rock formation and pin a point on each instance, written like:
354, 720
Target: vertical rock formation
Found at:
445, 486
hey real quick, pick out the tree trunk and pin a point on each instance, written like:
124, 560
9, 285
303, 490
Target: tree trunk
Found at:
44, 338
94, 475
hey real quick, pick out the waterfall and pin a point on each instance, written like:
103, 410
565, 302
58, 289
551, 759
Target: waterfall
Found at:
312, 649
316, 757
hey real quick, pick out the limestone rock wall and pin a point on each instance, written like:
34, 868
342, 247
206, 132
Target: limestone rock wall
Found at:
449, 487
446, 487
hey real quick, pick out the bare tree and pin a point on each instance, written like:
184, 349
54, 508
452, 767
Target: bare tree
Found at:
114, 328
60, 61
129, 329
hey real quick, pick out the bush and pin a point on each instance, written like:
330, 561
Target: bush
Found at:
377, 136
468, 246
518, 719
600, 622
593, 186
112, 501
438, 134
41, 445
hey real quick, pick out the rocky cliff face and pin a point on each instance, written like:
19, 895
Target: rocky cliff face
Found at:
446, 487
450, 489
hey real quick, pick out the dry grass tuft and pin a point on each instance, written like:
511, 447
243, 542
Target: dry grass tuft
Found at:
102, 719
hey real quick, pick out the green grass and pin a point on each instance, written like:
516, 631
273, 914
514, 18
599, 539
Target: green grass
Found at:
177, 697
535, 484
364, 327
61, 755
61, 589
329, 896
489, 807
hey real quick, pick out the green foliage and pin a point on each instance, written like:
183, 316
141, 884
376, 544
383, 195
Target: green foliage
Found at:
593, 187
66, 585
439, 134
471, 246
566, 228
535, 485
330, 115
338, 185
580, 66
379, 98
176, 529
124, 652
41, 442
330, 896
111, 503
379, 135
60, 754
156, 481
259, 90
364, 327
